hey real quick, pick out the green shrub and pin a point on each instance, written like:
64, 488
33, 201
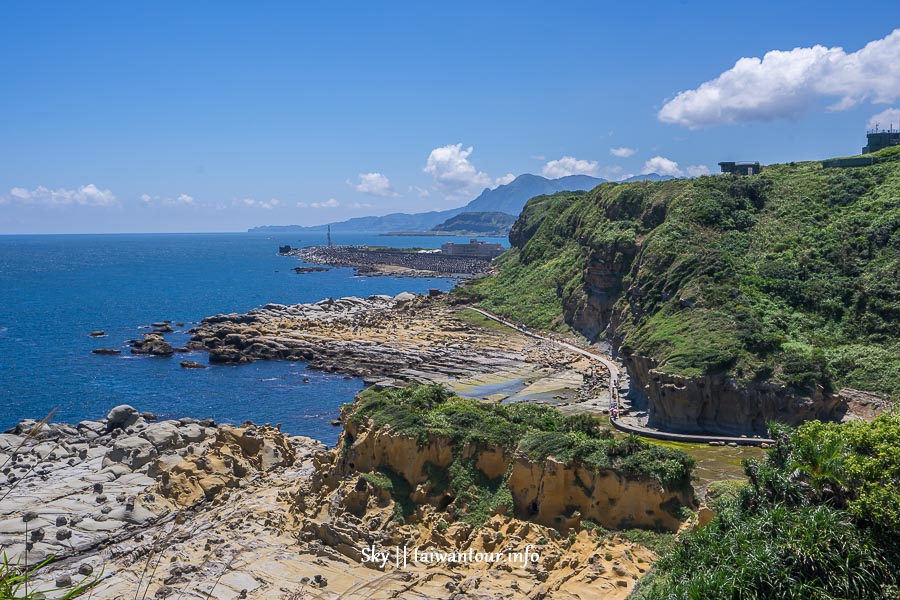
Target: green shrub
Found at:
819, 519
15, 582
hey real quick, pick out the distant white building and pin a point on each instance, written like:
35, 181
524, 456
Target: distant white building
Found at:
474, 248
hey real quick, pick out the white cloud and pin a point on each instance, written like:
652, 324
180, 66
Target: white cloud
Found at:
85, 195
697, 170
453, 173
508, 178
885, 119
330, 203
611, 173
785, 84
360, 205
180, 200
622, 152
375, 184
420, 191
264, 204
661, 166
539, 157
568, 165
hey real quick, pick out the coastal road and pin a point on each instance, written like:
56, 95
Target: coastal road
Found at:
614, 371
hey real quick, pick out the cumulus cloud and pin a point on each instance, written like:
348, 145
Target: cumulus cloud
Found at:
508, 178
330, 203
697, 170
785, 84
661, 166
885, 119
264, 204
179, 200
622, 152
85, 195
569, 165
375, 184
453, 172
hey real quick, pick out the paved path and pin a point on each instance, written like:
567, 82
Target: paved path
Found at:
613, 369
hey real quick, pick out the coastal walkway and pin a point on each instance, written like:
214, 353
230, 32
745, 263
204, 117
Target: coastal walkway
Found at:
614, 403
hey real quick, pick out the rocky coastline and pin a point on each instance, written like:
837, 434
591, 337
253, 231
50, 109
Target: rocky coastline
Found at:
193, 509
401, 340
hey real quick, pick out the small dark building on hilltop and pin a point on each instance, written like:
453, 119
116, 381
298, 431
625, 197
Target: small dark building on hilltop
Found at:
474, 249
740, 168
879, 139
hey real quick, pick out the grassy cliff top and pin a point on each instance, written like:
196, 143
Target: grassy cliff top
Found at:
788, 276
427, 412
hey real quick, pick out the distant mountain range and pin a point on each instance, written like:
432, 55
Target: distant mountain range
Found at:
508, 198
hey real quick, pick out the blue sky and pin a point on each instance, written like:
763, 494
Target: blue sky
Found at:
217, 116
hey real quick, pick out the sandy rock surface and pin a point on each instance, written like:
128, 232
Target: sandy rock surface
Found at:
406, 339
188, 509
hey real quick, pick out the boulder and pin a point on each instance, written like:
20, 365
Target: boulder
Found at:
106, 351
227, 355
191, 364
404, 297
164, 436
133, 452
121, 417
154, 344
97, 334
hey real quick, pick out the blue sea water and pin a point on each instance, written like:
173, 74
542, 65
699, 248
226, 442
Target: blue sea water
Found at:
56, 289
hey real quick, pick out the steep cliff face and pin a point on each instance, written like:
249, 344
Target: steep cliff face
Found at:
719, 404
590, 309
549, 492
366, 449
558, 495
732, 301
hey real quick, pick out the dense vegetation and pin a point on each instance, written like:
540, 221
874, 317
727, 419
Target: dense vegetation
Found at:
820, 518
789, 276
430, 412
477, 223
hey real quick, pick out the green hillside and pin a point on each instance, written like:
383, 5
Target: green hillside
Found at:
789, 276
478, 223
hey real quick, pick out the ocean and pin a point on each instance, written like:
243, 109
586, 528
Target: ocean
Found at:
56, 289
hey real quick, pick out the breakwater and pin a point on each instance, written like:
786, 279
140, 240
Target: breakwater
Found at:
369, 261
